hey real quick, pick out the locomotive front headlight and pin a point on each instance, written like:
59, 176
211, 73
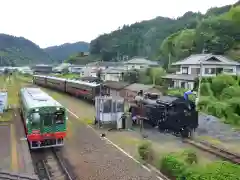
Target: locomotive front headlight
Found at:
58, 108
36, 110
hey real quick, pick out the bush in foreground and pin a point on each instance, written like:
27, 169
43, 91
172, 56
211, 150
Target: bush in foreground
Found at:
175, 167
145, 151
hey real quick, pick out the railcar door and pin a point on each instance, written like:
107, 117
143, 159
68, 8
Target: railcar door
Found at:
47, 122
59, 120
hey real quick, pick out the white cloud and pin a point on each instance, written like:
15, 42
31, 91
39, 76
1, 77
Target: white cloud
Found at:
53, 22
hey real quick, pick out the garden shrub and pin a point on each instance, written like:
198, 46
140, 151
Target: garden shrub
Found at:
233, 118
220, 82
234, 104
172, 166
204, 102
217, 108
221, 170
145, 151
206, 89
190, 157
230, 92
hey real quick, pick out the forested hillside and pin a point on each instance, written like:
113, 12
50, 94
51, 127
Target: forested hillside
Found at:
20, 51
62, 52
217, 31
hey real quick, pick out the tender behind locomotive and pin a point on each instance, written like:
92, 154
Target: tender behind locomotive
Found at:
44, 118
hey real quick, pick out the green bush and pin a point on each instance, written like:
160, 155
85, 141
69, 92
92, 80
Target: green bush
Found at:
230, 92
190, 157
221, 171
221, 82
175, 168
206, 89
217, 108
145, 151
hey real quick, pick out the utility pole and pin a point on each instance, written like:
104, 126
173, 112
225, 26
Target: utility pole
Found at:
169, 60
200, 80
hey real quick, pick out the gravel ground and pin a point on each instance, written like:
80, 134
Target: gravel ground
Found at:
94, 159
211, 126
5, 150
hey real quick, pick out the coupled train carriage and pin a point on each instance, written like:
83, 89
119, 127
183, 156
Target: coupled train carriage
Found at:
76, 88
170, 113
43, 117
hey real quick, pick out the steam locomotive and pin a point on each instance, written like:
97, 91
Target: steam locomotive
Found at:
168, 113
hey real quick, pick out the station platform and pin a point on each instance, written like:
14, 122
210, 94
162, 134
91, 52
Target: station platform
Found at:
21, 160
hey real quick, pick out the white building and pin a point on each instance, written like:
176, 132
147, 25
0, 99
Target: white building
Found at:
206, 64
112, 74
139, 63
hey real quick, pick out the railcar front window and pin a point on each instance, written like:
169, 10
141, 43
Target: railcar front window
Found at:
47, 119
35, 119
59, 117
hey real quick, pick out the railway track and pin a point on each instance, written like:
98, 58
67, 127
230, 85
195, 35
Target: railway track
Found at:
49, 166
220, 152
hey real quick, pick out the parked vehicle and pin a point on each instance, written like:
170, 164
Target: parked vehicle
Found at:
43, 117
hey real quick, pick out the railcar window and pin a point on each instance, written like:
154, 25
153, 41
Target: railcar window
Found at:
47, 119
59, 117
35, 119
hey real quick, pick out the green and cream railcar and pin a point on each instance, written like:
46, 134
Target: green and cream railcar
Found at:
44, 118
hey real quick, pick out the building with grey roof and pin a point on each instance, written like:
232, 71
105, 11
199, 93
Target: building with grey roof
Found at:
132, 90
140, 63
195, 65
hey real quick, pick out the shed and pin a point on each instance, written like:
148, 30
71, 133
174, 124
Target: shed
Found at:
132, 90
115, 88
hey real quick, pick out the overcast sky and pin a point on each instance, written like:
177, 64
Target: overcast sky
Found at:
54, 22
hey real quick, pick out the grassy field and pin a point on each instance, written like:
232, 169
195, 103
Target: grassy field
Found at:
12, 87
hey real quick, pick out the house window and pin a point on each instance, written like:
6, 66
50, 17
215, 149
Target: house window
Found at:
141, 67
228, 70
195, 70
183, 85
184, 70
210, 71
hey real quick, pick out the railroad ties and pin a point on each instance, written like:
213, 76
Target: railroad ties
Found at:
49, 166
220, 152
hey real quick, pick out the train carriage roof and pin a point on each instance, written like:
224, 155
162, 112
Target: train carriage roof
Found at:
91, 84
56, 78
39, 76
36, 98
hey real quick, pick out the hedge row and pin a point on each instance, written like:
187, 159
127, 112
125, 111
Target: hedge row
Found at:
216, 171
184, 166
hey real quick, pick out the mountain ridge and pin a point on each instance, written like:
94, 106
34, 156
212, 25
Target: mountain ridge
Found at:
62, 52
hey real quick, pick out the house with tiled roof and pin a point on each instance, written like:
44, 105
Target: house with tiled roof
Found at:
139, 63
195, 65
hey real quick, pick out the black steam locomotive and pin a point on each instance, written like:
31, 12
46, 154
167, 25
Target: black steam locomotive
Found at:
168, 113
